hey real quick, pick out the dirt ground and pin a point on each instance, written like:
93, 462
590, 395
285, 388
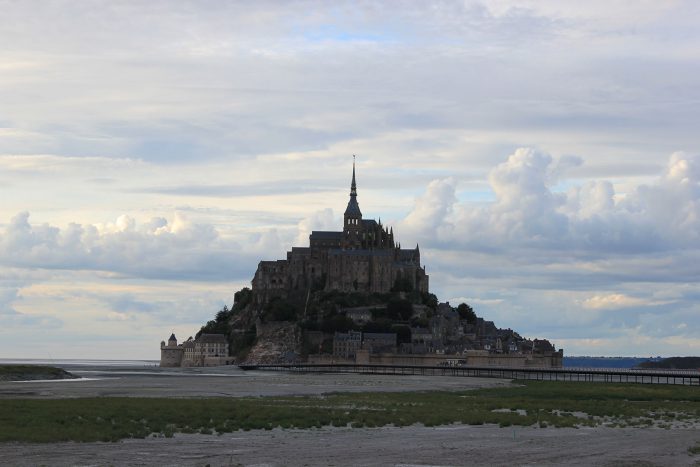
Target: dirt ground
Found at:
407, 446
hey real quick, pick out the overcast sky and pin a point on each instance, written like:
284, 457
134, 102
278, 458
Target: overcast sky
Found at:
543, 154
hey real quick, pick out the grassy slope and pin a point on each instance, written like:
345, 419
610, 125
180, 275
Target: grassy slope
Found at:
31, 372
544, 404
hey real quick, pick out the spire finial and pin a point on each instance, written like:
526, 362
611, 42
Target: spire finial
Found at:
353, 185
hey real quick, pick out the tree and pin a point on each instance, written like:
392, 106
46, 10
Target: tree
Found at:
399, 309
379, 325
403, 333
467, 313
279, 309
242, 298
337, 323
430, 300
223, 315
418, 322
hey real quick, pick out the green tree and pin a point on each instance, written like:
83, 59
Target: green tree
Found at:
467, 313
379, 325
242, 298
399, 309
279, 309
430, 300
337, 323
223, 315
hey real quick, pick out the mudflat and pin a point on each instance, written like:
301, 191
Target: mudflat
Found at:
414, 445
226, 382
410, 445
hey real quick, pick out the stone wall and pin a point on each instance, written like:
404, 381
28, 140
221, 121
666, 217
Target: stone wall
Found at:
472, 358
171, 356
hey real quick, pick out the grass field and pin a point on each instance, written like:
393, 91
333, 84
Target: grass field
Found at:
542, 404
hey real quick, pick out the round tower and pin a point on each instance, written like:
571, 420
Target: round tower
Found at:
171, 354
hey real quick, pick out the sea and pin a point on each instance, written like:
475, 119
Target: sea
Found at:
606, 362
79, 362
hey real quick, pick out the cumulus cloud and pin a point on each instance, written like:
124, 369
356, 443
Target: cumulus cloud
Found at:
569, 259
617, 300
590, 218
432, 209
324, 219
175, 249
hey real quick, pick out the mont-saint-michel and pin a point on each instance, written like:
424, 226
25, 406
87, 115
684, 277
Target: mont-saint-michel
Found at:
180, 232
352, 296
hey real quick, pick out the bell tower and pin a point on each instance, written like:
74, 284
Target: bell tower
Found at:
352, 219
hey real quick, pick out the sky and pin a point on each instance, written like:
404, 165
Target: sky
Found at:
543, 154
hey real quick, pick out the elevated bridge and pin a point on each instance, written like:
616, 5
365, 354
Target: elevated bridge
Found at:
608, 375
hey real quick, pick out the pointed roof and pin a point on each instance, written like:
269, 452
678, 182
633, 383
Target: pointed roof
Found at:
353, 208
172, 337
353, 185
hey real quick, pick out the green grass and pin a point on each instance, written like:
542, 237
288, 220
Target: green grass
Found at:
543, 404
694, 450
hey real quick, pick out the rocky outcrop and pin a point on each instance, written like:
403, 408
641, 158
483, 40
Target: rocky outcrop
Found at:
276, 342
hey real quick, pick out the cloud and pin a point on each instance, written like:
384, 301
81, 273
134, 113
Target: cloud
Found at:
177, 249
245, 116
320, 220
616, 300
10, 317
588, 219
567, 259
432, 209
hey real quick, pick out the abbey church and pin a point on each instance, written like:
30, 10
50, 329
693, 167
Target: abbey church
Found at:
363, 257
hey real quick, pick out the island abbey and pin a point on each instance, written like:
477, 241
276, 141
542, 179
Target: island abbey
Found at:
363, 257
353, 296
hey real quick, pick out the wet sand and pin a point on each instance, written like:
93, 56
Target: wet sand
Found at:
415, 445
226, 382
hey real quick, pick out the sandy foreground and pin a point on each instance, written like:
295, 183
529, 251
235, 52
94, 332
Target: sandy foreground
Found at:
407, 446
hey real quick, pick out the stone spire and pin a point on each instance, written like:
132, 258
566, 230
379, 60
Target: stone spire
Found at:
353, 185
353, 209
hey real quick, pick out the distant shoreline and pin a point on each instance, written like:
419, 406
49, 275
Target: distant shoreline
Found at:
33, 373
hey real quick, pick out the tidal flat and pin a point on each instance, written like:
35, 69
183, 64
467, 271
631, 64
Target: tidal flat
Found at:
226, 417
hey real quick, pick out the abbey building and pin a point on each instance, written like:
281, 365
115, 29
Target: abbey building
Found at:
363, 257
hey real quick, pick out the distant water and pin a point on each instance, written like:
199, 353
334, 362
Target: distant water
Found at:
606, 362
78, 362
